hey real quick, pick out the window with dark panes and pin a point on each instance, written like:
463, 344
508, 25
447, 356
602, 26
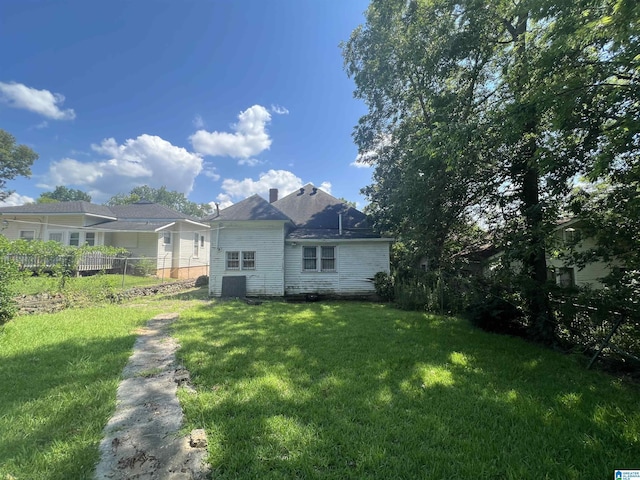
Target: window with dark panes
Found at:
328, 259
309, 258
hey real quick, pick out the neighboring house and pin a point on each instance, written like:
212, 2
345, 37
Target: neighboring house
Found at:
567, 233
178, 244
308, 242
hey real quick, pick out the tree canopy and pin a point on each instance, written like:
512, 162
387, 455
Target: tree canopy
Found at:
63, 194
15, 160
487, 111
169, 198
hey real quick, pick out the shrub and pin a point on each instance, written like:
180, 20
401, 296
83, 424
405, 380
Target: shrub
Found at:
202, 281
497, 310
8, 274
143, 267
383, 283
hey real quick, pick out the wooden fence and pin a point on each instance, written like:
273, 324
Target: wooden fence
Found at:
87, 262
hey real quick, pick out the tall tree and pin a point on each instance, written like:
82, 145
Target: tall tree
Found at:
169, 198
15, 160
492, 105
63, 194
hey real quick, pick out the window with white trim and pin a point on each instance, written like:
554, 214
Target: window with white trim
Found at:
326, 255
196, 245
248, 260
233, 260
27, 235
90, 239
74, 239
56, 237
237, 260
309, 259
166, 238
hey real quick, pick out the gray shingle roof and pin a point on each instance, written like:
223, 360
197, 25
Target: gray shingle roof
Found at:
330, 234
253, 208
129, 226
60, 208
311, 208
148, 211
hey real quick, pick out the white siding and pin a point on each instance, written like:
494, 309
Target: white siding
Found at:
266, 239
356, 263
43, 225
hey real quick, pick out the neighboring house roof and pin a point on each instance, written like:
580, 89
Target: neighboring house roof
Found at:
60, 208
141, 216
145, 210
129, 226
311, 208
253, 208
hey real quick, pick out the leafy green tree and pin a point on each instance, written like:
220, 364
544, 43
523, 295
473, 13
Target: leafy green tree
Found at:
15, 160
169, 198
63, 194
490, 109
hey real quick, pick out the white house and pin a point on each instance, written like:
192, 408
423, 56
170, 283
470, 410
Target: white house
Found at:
308, 242
177, 243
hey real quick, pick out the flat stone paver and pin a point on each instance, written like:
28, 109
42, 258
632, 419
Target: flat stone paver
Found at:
141, 440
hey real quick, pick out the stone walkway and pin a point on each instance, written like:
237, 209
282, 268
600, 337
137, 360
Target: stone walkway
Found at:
141, 441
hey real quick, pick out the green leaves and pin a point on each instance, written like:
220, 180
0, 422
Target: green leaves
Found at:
15, 160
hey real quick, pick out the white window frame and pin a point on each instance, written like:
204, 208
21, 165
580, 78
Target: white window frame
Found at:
232, 256
244, 259
312, 249
56, 232
196, 245
95, 239
248, 260
320, 258
72, 234
24, 237
166, 238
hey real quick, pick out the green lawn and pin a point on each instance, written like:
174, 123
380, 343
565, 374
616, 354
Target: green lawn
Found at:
46, 284
58, 379
349, 390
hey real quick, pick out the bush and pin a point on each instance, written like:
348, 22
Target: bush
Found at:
202, 281
497, 311
143, 267
8, 274
383, 283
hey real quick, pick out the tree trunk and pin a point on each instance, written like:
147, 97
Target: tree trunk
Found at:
527, 171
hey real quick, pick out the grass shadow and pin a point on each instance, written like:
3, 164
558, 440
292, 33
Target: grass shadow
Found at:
349, 390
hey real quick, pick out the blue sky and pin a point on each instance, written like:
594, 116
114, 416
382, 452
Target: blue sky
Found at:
216, 99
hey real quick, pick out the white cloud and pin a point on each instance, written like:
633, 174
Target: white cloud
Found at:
44, 102
208, 170
251, 162
285, 181
326, 186
41, 125
279, 109
368, 158
250, 137
145, 160
15, 199
198, 122
224, 201
361, 158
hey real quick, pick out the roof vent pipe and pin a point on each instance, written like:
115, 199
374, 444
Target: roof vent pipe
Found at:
340, 223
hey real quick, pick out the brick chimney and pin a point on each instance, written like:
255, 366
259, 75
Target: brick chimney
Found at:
273, 195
